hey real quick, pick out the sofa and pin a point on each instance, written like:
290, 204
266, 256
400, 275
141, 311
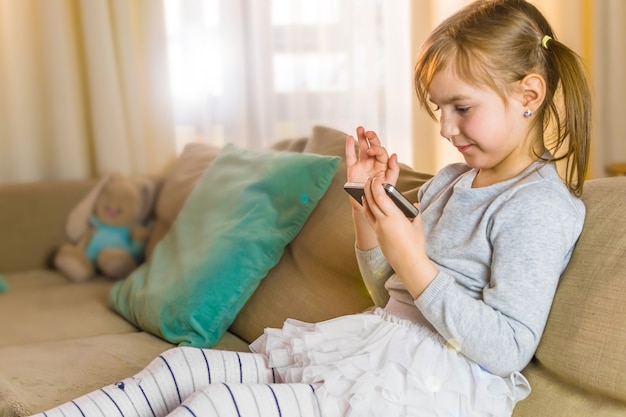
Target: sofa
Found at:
59, 339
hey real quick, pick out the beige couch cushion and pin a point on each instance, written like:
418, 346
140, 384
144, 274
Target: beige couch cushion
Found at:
180, 180
48, 307
40, 376
34, 215
177, 185
551, 396
585, 339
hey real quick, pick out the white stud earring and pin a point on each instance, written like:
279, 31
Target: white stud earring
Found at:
528, 113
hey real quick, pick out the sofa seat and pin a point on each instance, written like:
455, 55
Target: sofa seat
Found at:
60, 340
61, 310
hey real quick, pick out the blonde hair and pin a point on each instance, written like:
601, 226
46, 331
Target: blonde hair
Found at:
495, 43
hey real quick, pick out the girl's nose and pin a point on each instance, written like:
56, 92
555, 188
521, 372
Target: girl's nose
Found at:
448, 127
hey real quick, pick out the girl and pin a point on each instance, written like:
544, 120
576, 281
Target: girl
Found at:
464, 290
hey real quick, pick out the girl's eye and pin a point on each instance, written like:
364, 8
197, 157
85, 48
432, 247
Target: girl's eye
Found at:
462, 109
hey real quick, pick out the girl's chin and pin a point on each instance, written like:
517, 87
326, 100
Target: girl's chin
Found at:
471, 162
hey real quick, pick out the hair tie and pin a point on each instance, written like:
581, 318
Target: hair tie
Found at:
544, 41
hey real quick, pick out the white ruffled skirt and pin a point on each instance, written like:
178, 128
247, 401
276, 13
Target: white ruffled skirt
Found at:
375, 364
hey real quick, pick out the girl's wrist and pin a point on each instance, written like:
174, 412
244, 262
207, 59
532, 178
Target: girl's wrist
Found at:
365, 238
419, 276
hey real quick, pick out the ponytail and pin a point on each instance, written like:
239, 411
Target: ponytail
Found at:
569, 113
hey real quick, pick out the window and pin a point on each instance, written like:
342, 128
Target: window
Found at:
255, 71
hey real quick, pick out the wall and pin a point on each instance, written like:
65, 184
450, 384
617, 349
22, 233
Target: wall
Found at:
609, 60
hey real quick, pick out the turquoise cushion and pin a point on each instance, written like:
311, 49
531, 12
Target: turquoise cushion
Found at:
233, 228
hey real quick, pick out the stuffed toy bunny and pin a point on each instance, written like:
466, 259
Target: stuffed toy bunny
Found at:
107, 229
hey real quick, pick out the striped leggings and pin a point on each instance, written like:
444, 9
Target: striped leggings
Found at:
191, 382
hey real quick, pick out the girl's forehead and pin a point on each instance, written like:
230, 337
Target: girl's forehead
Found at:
447, 85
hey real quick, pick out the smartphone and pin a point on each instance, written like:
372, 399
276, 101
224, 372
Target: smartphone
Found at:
355, 189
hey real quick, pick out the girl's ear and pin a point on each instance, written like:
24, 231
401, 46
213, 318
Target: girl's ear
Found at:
533, 90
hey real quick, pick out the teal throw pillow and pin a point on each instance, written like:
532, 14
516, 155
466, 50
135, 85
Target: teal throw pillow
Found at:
233, 228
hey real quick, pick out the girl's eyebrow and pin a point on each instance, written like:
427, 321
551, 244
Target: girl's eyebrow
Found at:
452, 99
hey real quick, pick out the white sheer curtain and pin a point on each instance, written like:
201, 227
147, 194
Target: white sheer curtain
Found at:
252, 72
83, 89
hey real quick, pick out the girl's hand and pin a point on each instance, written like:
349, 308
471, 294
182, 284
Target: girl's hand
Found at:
372, 158
400, 239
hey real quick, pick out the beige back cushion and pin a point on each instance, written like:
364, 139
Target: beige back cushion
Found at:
177, 185
585, 339
317, 278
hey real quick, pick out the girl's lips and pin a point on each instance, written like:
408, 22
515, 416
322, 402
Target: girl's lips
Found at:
463, 148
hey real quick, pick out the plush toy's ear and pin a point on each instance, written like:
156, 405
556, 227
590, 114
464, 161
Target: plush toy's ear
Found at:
147, 188
78, 219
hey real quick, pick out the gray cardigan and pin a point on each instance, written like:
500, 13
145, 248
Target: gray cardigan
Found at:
500, 251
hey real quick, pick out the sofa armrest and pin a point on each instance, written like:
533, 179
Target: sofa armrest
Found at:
32, 221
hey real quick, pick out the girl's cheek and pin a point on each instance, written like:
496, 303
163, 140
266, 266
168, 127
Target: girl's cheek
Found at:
474, 127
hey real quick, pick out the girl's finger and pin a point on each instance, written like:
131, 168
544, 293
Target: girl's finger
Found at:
362, 142
379, 153
372, 137
393, 169
371, 188
351, 157
380, 197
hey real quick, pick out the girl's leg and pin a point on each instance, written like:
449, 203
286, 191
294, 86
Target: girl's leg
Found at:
251, 400
167, 381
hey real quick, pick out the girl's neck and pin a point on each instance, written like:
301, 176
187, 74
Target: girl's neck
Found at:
490, 177
510, 168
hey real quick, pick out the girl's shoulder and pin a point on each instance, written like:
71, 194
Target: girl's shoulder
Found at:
543, 190
543, 181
